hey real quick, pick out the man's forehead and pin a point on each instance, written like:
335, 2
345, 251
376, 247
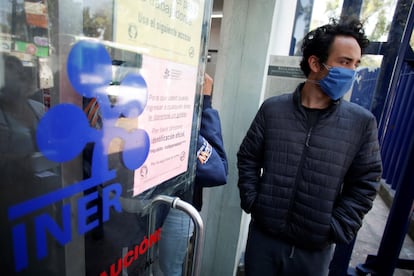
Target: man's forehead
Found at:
346, 47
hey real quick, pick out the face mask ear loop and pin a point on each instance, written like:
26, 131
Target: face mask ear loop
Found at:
315, 81
327, 67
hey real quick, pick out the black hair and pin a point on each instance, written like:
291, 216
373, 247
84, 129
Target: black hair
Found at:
318, 42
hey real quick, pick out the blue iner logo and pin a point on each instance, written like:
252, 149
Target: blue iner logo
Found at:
63, 133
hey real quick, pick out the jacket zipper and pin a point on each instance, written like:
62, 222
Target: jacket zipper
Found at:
299, 177
308, 136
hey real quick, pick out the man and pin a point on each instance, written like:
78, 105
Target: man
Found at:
20, 179
310, 166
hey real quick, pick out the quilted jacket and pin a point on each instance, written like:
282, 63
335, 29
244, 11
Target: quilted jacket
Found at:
309, 185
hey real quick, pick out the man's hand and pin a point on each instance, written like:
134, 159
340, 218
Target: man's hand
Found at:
208, 85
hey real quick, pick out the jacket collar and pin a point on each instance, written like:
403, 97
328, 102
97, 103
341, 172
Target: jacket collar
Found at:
298, 103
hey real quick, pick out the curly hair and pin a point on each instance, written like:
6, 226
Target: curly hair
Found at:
318, 42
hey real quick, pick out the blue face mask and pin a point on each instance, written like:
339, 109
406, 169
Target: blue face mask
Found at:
338, 81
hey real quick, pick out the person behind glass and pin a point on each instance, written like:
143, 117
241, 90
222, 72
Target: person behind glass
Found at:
309, 165
19, 116
211, 170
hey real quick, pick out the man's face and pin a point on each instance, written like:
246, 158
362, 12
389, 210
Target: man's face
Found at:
345, 52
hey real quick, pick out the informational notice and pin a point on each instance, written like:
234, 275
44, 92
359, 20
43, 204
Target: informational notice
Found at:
168, 120
168, 35
169, 29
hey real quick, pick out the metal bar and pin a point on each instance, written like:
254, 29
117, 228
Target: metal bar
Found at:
351, 8
386, 260
398, 41
198, 232
177, 203
340, 261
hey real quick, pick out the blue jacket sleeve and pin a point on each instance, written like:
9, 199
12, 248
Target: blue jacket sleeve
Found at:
212, 167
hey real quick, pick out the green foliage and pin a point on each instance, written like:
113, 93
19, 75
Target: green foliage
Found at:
98, 24
375, 14
331, 7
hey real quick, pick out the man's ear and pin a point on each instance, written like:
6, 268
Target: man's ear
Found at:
314, 64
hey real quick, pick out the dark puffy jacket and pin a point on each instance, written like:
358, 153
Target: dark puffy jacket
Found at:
309, 186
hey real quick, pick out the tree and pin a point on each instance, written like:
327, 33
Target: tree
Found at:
98, 24
377, 15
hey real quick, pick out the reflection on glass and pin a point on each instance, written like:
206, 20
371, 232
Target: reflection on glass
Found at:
310, 14
378, 17
366, 80
61, 101
25, 173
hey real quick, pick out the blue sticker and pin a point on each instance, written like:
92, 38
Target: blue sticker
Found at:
63, 132
62, 135
135, 149
134, 95
89, 68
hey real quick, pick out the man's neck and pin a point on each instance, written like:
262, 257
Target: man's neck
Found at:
312, 97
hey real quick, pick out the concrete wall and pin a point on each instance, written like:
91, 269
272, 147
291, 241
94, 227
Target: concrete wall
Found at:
246, 33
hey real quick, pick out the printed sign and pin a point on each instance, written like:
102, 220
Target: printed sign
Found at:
169, 29
168, 119
168, 36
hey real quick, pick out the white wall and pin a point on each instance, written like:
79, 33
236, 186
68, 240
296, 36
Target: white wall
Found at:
250, 31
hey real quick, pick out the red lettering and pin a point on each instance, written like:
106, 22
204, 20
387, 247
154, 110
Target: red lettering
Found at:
143, 247
132, 255
153, 238
119, 269
136, 252
127, 260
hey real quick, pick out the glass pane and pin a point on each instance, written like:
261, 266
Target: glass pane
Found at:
323, 10
378, 16
366, 80
311, 14
98, 115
